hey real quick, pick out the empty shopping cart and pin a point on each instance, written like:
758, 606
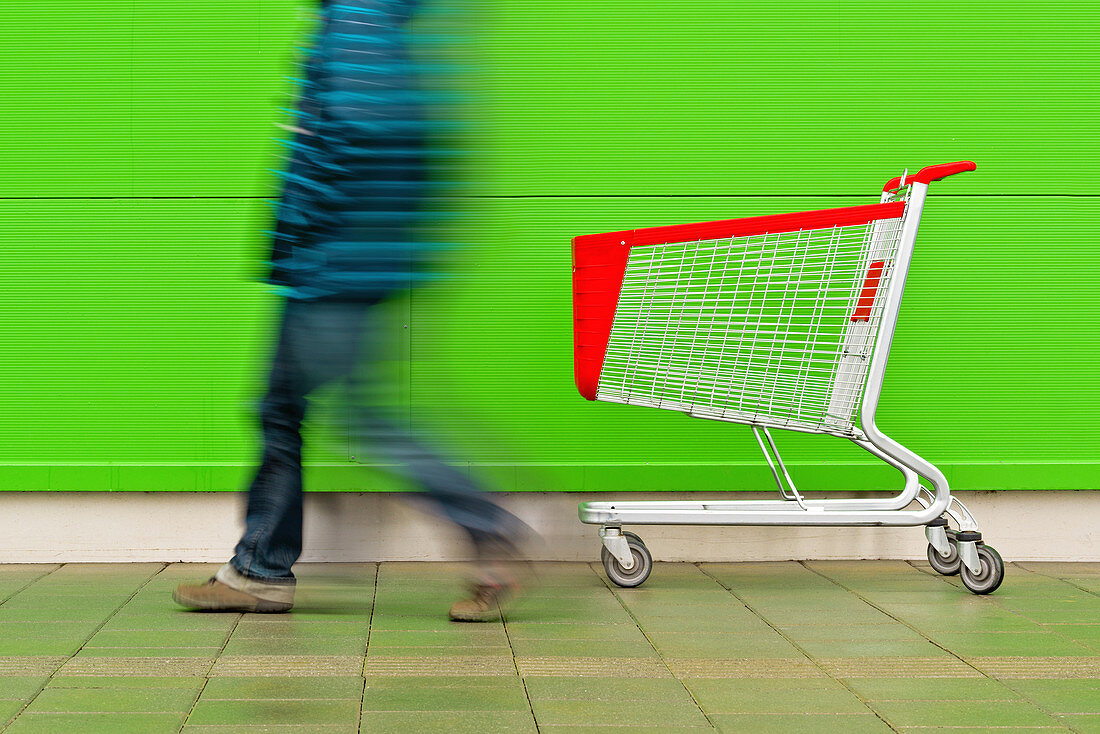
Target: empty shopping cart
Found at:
776, 322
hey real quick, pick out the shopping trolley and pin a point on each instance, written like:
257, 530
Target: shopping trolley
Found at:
781, 322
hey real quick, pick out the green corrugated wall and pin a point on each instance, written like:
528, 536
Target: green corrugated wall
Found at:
134, 155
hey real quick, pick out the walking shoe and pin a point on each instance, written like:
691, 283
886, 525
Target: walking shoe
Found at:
214, 596
232, 591
484, 605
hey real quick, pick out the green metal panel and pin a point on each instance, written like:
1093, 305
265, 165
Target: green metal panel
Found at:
135, 332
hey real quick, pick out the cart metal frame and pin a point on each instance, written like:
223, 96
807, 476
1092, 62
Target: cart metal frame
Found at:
861, 361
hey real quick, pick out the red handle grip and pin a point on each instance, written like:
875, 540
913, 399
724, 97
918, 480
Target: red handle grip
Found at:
928, 174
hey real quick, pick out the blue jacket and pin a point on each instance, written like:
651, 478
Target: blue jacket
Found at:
354, 193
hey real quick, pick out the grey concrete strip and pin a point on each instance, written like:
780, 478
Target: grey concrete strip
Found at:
438, 666
586, 667
287, 665
130, 667
30, 665
1038, 667
898, 667
744, 668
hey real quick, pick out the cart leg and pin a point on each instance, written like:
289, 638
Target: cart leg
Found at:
967, 541
615, 543
937, 538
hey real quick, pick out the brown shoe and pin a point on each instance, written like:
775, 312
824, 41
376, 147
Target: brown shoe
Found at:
484, 605
214, 596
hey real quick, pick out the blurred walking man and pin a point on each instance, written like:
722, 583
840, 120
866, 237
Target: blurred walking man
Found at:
347, 237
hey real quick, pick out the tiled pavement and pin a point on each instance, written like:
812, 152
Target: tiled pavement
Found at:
751, 647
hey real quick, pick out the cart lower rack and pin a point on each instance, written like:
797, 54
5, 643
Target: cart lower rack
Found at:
777, 322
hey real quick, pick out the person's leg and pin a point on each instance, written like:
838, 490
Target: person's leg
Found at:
318, 343
494, 533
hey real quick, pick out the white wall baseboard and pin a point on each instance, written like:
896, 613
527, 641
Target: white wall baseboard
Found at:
64, 527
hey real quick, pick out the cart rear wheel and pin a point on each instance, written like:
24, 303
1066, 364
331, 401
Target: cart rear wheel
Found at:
948, 566
991, 576
643, 564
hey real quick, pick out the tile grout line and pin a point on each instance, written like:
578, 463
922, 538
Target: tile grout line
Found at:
952, 653
206, 678
1015, 612
1051, 631
1023, 694
802, 650
638, 626
522, 680
1057, 578
27, 585
102, 624
991, 597
366, 648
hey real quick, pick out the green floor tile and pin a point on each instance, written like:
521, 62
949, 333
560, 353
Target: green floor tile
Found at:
795, 614
170, 620
463, 635
423, 651
1071, 615
932, 689
446, 722
724, 646
9, 707
1081, 723
605, 689
711, 624
918, 648
273, 712
1061, 696
411, 622
297, 646
133, 723
402, 606
567, 631
21, 686
853, 633
39, 612
961, 713
175, 638
583, 648
113, 700
621, 713
305, 613
624, 729
994, 644
56, 630
532, 613
88, 651
350, 728
432, 682
40, 646
1082, 634
962, 617
121, 682
273, 687
787, 723
559, 631
774, 697
380, 695
288, 627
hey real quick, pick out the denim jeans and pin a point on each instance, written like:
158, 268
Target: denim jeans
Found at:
321, 342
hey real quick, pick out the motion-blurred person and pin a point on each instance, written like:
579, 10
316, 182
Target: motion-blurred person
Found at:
348, 235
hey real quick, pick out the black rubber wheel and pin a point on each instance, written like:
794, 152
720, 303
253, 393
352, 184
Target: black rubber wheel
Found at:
636, 576
991, 576
947, 566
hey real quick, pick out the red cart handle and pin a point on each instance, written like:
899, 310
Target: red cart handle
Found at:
928, 174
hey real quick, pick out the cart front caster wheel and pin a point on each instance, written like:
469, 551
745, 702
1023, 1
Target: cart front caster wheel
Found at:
643, 564
948, 566
991, 576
